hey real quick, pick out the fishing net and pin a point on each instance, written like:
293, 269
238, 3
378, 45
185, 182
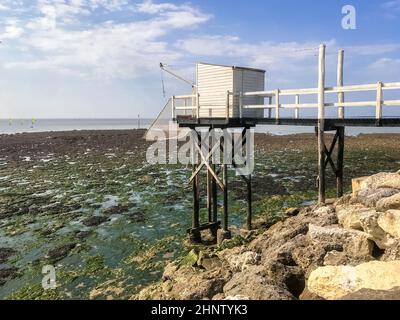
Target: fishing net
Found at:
164, 128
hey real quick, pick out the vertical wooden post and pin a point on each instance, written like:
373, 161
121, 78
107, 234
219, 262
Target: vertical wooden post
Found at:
214, 197
209, 182
340, 161
198, 106
321, 124
297, 110
270, 110
173, 107
277, 105
340, 83
227, 105
379, 95
195, 235
241, 105
225, 214
249, 204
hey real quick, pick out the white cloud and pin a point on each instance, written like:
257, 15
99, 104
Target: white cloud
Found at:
101, 50
152, 8
12, 30
391, 8
386, 64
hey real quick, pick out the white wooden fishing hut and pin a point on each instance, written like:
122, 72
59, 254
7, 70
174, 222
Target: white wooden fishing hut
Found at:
235, 97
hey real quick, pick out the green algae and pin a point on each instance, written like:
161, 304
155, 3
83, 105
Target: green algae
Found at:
124, 254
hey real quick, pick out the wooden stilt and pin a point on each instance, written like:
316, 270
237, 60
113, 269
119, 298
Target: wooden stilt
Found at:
340, 161
249, 204
321, 125
225, 212
194, 234
209, 187
321, 166
214, 197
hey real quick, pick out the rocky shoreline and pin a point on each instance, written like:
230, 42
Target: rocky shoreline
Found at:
348, 249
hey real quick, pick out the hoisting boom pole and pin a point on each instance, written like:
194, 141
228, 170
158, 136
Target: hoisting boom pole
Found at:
176, 75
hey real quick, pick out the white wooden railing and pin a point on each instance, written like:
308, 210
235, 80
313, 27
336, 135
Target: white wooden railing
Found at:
379, 103
274, 97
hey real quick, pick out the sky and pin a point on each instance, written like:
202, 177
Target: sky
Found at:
100, 58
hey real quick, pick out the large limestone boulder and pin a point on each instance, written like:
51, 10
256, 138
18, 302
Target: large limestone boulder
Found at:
352, 242
369, 294
336, 282
392, 202
389, 221
382, 180
255, 287
371, 226
370, 197
350, 216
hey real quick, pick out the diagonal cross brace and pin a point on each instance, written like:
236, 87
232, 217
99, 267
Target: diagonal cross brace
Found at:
205, 162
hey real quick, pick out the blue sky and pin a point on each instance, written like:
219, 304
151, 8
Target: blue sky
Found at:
99, 58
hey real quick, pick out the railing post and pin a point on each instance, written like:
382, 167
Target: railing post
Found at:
296, 111
277, 105
173, 107
340, 83
198, 105
241, 104
269, 109
321, 124
379, 94
227, 105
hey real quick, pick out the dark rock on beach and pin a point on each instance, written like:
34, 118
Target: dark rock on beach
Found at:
7, 274
60, 252
95, 221
6, 253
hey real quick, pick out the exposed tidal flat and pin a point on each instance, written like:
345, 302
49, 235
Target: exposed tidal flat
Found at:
88, 203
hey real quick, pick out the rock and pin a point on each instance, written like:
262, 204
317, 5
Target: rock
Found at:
370, 197
389, 221
388, 203
6, 253
355, 243
382, 180
369, 223
223, 235
60, 252
184, 282
370, 294
288, 277
118, 209
191, 258
255, 287
137, 217
237, 298
338, 258
7, 274
335, 282
349, 216
308, 295
83, 234
208, 262
392, 252
169, 271
291, 212
94, 221
240, 261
